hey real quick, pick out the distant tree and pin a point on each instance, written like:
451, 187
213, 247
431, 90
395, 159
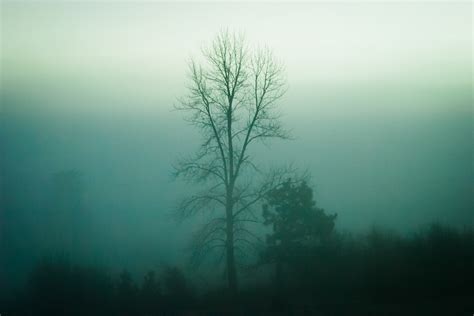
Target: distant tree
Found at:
52, 287
297, 223
126, 295
232, 98
150, 294
57, 287
176, 290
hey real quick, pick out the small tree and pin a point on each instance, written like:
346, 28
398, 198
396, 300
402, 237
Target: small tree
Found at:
232, 98
177, 292
150, 294
297, 223
127, 294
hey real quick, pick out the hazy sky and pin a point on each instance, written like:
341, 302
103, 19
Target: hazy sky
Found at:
379, 103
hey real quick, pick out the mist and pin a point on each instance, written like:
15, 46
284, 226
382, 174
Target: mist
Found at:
379, 105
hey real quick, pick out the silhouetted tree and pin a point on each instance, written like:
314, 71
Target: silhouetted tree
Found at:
232, 101
51, 288
332, 273
150, 294
56, 287
177, 292
297, 223
127, 295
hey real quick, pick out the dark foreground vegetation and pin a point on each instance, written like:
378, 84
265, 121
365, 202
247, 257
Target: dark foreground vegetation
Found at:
379, 273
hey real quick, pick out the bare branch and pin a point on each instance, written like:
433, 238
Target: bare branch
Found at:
231, 98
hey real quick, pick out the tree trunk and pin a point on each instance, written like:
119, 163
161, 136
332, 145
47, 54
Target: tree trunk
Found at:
230, 254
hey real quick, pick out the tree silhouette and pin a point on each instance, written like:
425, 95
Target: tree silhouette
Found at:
297, 223
231, 99
127, 294
150, 294
331, 273
177, 292
57, 287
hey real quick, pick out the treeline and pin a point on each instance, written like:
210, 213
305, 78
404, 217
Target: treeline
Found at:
428, 273
57, 287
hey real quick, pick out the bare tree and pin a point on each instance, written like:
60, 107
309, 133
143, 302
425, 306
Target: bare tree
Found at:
232, 100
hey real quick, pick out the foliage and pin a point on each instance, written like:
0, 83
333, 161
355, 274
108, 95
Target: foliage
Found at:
297, 223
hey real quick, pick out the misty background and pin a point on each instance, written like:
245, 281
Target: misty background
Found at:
379, 104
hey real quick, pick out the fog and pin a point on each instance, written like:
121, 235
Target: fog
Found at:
379, 105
